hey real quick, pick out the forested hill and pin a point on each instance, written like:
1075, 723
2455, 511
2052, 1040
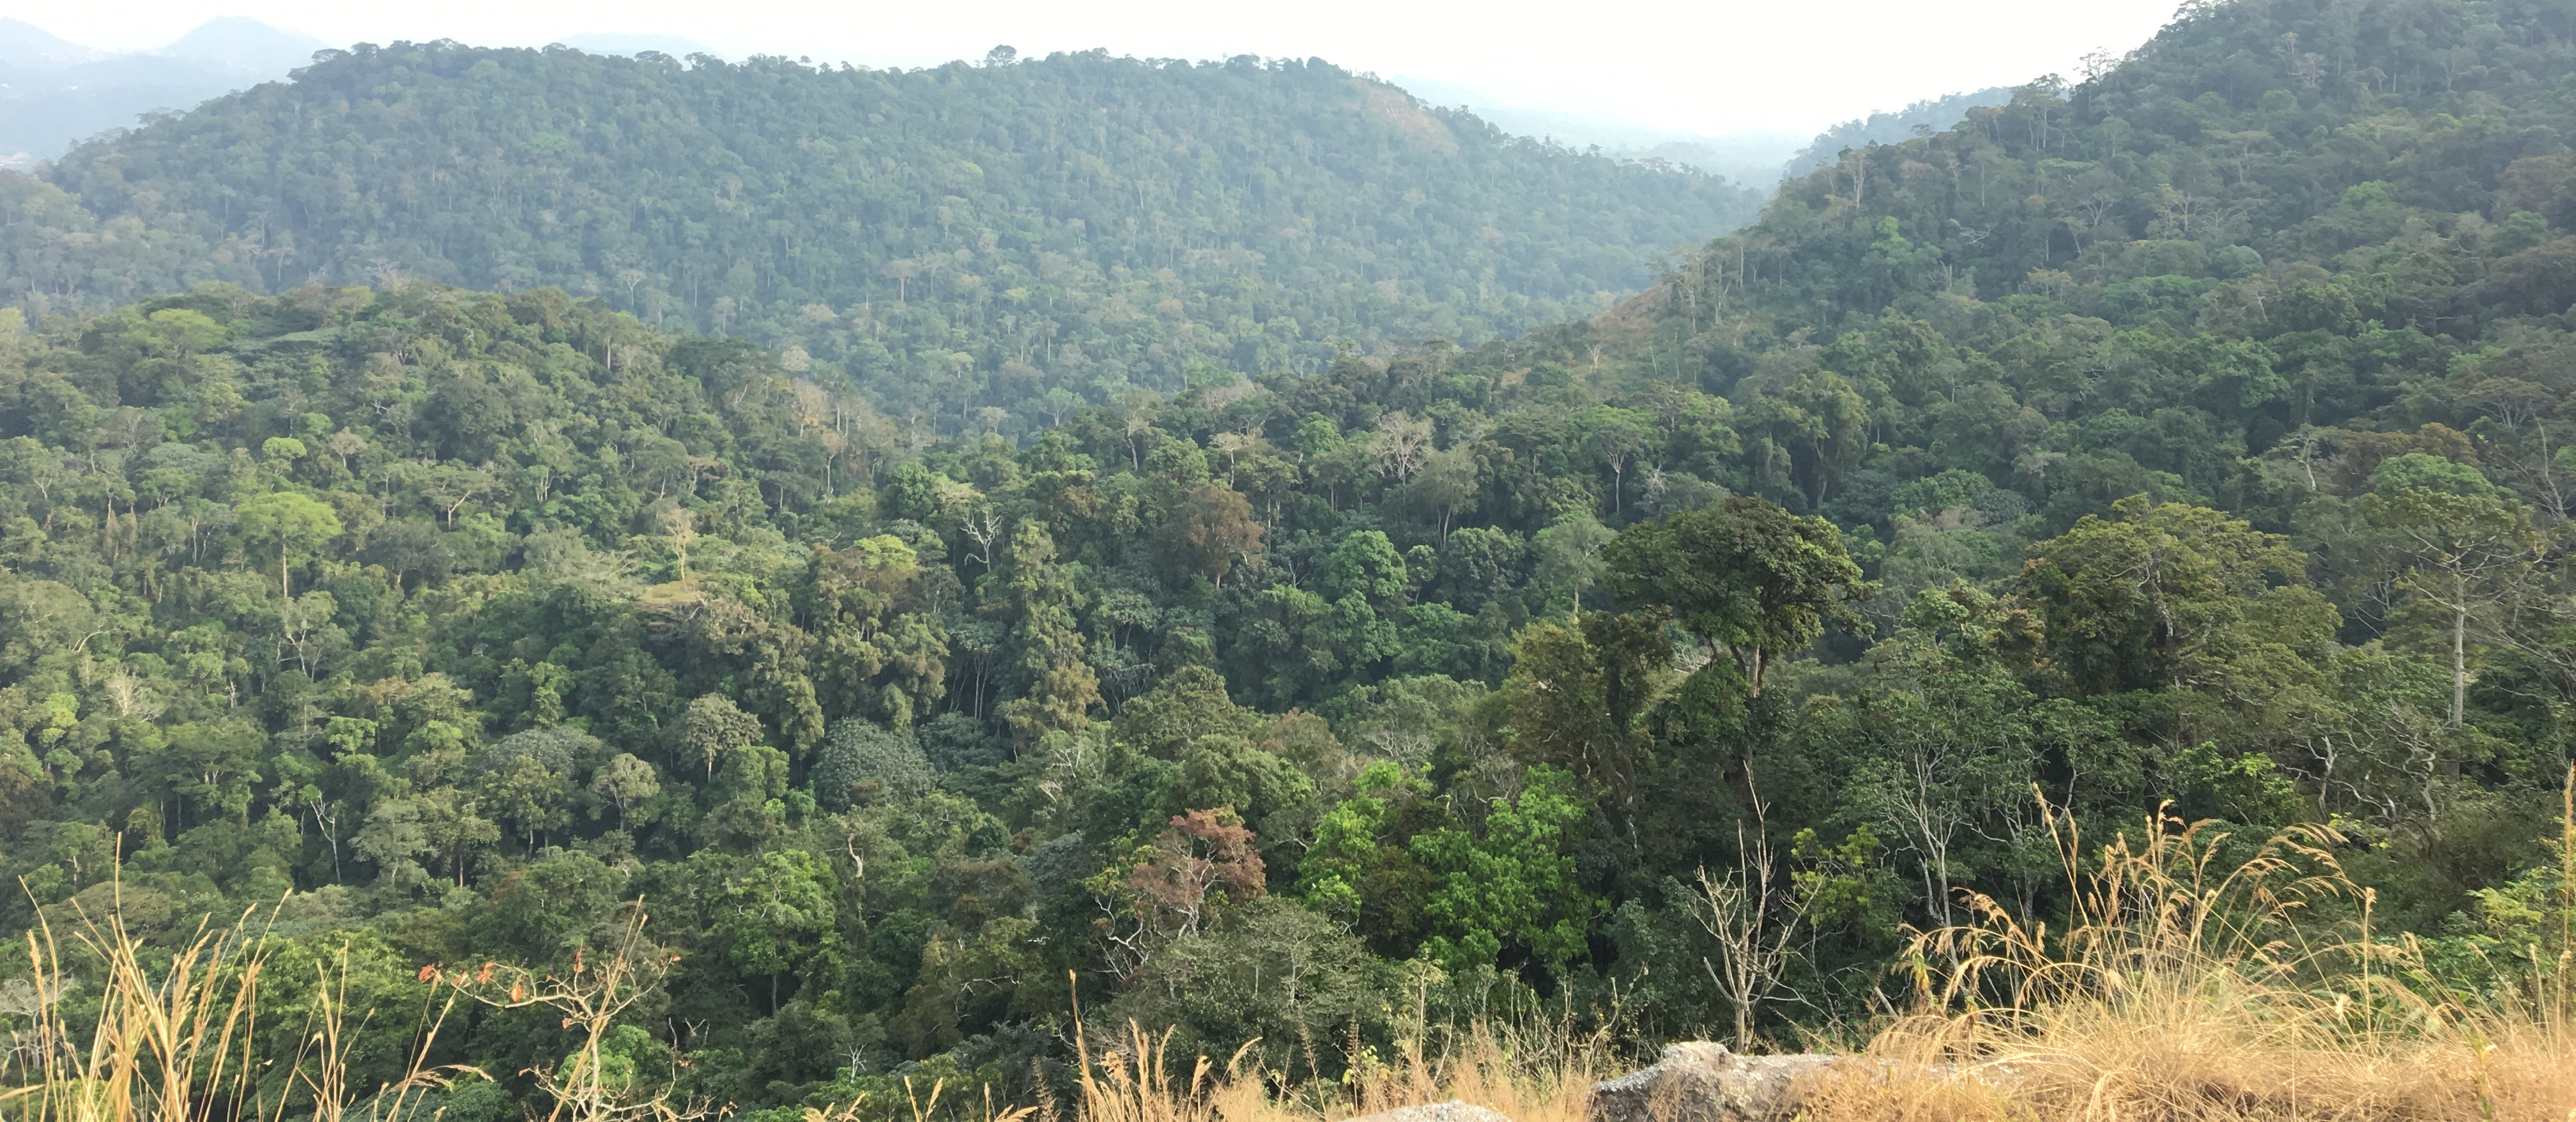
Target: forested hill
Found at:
2383, 167
2306, 264
2280, 234
958, 238
2271, 238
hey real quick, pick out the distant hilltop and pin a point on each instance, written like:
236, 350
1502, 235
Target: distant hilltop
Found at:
55, 93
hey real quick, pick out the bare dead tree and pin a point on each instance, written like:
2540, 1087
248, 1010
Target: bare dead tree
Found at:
1755, 919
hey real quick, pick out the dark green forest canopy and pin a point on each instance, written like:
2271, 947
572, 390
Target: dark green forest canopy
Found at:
953, 239
2189, 439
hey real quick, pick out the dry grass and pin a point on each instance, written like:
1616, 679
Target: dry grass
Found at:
183, 1040
1537, 1076
177, 1044
2191, 991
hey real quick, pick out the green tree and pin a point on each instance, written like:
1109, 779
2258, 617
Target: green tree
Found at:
863, 760
1272, 796
1360, 869
1367, 565
1058, 688
1809, 432
776, 914
1446, 485
872, 650
2468, 550
625, 781
1745, 577
2157, 595
1939, 750
1615, 438
712, 726
212, 767
1578, 698
745, 807
1189, 703
452, 829
1513, 884
1569, 555
529, 794
293, 523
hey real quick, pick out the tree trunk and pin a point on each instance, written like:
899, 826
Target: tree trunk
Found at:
2459, 663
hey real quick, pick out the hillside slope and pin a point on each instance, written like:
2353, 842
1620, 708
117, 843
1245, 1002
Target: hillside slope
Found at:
2301, 130
965, 237
2279, 218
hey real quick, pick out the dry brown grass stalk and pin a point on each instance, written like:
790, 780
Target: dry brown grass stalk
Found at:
1537, 1071
177, 1044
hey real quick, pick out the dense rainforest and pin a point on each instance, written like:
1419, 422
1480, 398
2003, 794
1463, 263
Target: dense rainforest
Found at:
1022, 236
2185, 438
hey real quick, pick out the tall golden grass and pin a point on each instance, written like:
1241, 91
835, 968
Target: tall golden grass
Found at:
1530, 1075
179, 1044
183, 1041
2183, 988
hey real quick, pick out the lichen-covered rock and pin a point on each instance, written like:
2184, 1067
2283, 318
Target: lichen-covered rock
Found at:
1703, 1082
1452, 1111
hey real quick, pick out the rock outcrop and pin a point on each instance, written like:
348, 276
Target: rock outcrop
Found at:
1703, 1082
1452, 1111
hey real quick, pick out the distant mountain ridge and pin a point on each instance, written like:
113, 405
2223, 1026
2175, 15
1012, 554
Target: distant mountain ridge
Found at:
627, 43
24, 45
1753, 157
244, 46
1760, 157
961, 238
54, 93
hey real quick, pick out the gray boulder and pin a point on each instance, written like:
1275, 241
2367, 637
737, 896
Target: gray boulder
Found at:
1703, 1082
1452, 1111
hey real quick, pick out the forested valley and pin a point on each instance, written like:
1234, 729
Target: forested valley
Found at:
1319, 641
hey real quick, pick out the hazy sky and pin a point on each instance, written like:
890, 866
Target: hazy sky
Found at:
1698, 65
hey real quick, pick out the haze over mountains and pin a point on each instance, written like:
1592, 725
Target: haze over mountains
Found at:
54, 93
1757, 158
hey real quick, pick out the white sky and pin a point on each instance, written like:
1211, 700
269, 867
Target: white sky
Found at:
1695, 65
